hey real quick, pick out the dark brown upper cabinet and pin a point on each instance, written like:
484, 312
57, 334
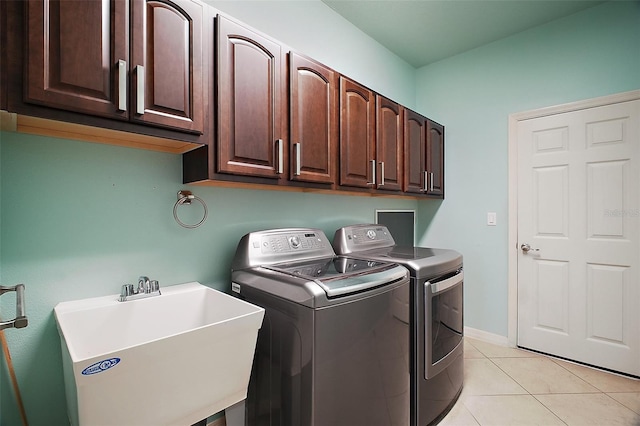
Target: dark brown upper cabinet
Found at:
415, 138
252, 103
167, 52
313, 118
78, 59
74, 51
389, 144
357, 135
435, 159
424, 155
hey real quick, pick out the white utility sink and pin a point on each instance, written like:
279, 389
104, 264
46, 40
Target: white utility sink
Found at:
172, 359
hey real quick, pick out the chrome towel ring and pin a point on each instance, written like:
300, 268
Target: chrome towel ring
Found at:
185, 197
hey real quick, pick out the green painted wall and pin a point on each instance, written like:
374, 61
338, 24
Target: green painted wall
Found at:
81, 219
593, 53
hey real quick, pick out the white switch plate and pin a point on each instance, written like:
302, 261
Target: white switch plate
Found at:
491, 218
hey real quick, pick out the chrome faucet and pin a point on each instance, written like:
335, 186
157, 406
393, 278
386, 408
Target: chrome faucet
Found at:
146, 288
143, 284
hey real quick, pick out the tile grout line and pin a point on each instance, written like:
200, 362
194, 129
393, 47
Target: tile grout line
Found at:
550, 410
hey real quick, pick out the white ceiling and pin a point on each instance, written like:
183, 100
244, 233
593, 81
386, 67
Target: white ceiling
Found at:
425, 31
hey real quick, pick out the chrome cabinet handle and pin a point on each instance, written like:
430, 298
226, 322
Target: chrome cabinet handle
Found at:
381, 173
373, 172
426, 182
140, 92
280, 148
527, 248
122, 85
298, 149
20, 321
431, 185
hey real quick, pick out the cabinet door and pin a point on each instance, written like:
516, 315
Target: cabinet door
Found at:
435, 158
167, 64
415, 140
389, 144
73, 51
357, 135
251, 98
313, 120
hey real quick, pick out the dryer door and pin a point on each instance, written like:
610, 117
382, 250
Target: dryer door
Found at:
443, 321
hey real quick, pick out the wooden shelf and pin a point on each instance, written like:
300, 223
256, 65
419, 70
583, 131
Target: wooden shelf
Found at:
43, 127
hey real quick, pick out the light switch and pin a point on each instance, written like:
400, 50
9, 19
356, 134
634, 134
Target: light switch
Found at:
491, 218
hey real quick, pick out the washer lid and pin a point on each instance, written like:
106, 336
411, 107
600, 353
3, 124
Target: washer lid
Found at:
343, 275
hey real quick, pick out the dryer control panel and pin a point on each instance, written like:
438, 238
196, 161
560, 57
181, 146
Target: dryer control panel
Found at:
356, 238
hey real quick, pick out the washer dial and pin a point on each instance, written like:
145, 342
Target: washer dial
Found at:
294, 241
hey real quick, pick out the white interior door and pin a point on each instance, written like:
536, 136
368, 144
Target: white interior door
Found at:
579, 212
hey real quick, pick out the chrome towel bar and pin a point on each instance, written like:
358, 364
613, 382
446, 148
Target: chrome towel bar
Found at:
20, 321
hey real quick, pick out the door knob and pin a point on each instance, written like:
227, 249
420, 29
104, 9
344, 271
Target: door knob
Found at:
527, 248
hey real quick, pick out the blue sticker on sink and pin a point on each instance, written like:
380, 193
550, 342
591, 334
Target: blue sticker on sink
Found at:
100, 366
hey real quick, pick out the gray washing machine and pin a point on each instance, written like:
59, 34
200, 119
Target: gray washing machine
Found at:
436, 324
334, 345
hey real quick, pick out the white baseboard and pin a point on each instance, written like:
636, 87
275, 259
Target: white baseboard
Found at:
485, 336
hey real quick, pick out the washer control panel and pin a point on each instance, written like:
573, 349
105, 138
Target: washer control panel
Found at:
281, 245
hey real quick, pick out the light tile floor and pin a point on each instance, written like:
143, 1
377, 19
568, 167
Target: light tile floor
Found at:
507, 386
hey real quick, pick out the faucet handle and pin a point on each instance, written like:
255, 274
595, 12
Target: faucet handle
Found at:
126, 291
154, 286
